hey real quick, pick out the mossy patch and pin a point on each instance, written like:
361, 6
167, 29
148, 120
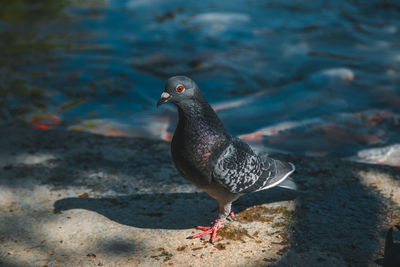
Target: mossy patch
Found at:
259, 214
181, 248
165, 255
234, 233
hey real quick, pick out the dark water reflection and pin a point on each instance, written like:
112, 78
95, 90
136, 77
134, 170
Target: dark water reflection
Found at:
313, 77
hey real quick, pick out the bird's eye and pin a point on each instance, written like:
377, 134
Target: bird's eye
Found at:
180, 88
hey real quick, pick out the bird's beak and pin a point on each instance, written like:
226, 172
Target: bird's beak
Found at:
163, 99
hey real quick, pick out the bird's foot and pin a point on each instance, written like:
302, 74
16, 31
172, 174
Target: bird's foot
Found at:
232, 214
210, 230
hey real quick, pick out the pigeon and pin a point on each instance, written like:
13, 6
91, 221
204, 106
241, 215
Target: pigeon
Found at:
208, 156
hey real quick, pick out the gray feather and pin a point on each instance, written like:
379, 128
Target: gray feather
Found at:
288, 183
240, 170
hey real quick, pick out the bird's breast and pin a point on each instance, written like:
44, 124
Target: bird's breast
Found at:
193, 151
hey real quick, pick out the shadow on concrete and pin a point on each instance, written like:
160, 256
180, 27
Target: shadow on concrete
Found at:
166, 210
337, 213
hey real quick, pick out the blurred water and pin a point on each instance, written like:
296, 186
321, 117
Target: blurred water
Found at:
312, 77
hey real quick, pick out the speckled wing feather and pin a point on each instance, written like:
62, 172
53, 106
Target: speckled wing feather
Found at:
240, 170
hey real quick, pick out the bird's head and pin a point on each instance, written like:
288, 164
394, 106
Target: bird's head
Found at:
179, 89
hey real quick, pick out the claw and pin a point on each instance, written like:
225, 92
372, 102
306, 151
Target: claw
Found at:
210, 230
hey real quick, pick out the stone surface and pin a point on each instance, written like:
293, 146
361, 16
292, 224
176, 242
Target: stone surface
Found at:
79, 199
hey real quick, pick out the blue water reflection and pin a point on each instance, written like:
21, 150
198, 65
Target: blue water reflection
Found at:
313, 77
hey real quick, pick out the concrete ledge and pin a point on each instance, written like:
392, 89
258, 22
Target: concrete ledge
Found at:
78, 199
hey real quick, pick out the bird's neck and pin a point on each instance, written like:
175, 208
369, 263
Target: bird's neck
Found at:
199, 135
199, 114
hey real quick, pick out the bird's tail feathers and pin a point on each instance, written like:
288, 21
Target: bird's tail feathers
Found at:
288, 183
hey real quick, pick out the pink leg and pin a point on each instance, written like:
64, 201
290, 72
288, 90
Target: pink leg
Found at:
232, 214
210, 230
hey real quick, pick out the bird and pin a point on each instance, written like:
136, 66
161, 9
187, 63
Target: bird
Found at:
208, 156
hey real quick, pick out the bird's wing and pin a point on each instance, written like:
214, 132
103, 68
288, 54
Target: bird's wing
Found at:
240, 170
